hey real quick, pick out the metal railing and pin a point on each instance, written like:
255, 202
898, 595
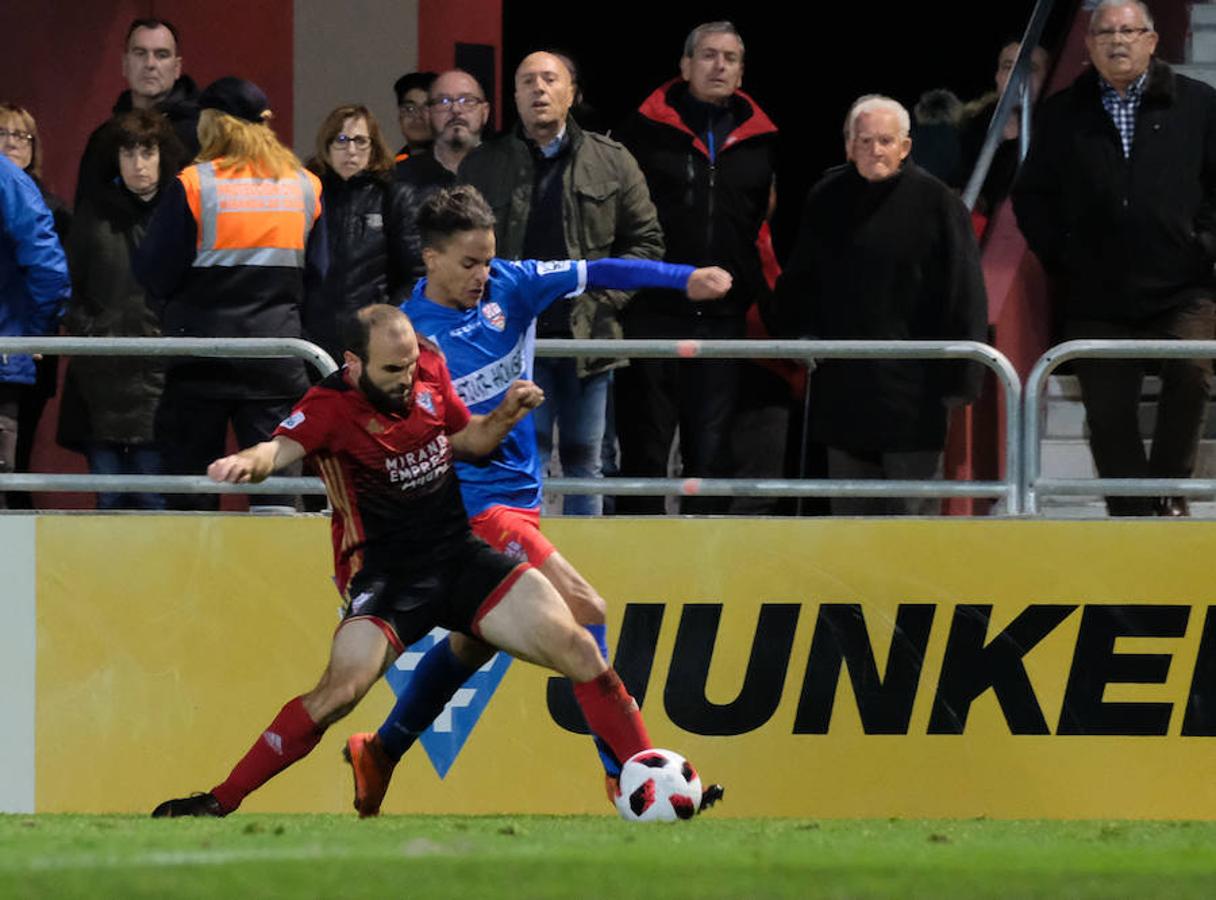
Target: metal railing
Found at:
1017, 92
203, 348
1035, 486
806, 351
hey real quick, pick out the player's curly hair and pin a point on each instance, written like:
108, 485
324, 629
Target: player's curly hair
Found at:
451, 211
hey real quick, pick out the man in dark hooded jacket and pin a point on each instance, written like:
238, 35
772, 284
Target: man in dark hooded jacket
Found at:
152, 66
708, 153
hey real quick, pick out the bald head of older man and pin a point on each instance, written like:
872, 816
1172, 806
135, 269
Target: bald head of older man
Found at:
544, 93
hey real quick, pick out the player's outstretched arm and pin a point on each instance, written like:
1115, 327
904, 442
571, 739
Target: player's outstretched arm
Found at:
484, 433
707, 283
256, 463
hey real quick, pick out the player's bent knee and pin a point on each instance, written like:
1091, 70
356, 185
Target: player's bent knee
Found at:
583, 601
335, 697
471, 652
575, 654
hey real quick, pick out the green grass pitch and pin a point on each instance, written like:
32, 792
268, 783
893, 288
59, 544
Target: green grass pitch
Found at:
65, 856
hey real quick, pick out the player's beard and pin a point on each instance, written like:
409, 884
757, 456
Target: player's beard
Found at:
383, 401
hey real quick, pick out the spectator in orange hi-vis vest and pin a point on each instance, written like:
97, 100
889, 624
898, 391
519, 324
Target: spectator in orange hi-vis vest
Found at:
227, 254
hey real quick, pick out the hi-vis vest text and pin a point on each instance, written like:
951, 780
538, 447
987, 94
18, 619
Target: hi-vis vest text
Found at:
250, 221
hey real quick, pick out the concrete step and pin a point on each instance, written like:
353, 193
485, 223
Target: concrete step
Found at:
1064, 414
1203, 15
1201, 46
1204, 73
1071, 458
1080, 508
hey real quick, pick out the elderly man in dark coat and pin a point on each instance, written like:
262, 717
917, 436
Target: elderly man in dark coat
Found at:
885, 252
1118, 200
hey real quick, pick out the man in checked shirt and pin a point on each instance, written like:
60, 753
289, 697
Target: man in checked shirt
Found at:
1117, 198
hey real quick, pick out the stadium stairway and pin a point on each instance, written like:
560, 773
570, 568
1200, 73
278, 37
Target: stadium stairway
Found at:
1065, 450
1201, 44
1020, 295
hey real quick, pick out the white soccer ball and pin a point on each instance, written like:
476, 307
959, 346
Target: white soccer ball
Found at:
658, 786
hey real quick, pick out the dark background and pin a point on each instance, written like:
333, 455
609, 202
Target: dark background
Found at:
804, 76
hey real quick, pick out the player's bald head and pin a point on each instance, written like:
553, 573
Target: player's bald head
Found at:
382, 319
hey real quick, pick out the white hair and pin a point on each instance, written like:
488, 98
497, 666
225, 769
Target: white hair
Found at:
1115, 4
871, 103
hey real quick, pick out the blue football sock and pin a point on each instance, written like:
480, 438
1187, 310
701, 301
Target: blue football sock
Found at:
437, 677
612, 766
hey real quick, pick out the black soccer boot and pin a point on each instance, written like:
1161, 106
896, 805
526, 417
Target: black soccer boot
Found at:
710, 795
202, 805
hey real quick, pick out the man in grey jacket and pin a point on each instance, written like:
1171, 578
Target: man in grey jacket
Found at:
561, 193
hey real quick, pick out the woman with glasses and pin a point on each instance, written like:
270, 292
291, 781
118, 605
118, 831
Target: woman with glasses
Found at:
374, 254
20, 143
118, 396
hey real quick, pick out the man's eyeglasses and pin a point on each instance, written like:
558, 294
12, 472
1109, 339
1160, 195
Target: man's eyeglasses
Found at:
412, 110
358, 141
1106, 35
21, 137
462, 103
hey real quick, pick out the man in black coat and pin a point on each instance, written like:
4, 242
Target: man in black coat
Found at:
152, 66
1117, 198
885, 251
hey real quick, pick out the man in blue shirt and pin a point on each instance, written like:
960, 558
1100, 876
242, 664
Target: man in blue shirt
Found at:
481, 311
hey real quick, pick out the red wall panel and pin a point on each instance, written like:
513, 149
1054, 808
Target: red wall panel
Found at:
63, 61
442, 24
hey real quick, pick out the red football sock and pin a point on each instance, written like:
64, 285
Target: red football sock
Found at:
612, 714
291, 736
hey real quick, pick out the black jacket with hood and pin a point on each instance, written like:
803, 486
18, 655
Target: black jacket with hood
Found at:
711, 210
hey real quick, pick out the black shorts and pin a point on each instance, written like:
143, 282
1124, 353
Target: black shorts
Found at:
454, 593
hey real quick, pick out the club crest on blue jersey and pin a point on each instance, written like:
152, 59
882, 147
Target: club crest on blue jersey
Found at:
424, 400
493, 315
447, 735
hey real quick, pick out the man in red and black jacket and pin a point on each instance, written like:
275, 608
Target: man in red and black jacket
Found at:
708, 153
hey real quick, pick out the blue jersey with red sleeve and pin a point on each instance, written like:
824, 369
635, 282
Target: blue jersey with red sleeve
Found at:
487, 347
390, 478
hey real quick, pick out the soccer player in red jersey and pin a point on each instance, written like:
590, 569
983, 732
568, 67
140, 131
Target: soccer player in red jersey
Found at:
481, 313
384, 432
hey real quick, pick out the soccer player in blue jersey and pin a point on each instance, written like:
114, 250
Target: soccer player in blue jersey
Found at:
481, 311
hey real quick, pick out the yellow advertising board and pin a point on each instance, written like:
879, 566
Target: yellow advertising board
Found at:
819, 667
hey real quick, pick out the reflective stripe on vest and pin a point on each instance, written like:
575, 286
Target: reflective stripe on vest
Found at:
263, 214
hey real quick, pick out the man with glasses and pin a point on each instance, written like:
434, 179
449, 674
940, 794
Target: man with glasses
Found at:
152, 67
559, 192
1117, 198
412, 90
456, 109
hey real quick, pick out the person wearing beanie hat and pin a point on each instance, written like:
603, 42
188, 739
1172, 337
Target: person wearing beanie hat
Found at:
236, 97
227, 254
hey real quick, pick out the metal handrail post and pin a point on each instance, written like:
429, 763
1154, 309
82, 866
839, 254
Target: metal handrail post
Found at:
821, 349
1094, 349
807, 351
207, 348
1019, 75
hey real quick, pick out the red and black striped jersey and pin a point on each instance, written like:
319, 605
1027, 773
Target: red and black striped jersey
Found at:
396, 503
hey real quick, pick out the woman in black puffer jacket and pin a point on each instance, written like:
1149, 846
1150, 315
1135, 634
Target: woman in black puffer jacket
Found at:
374, 254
